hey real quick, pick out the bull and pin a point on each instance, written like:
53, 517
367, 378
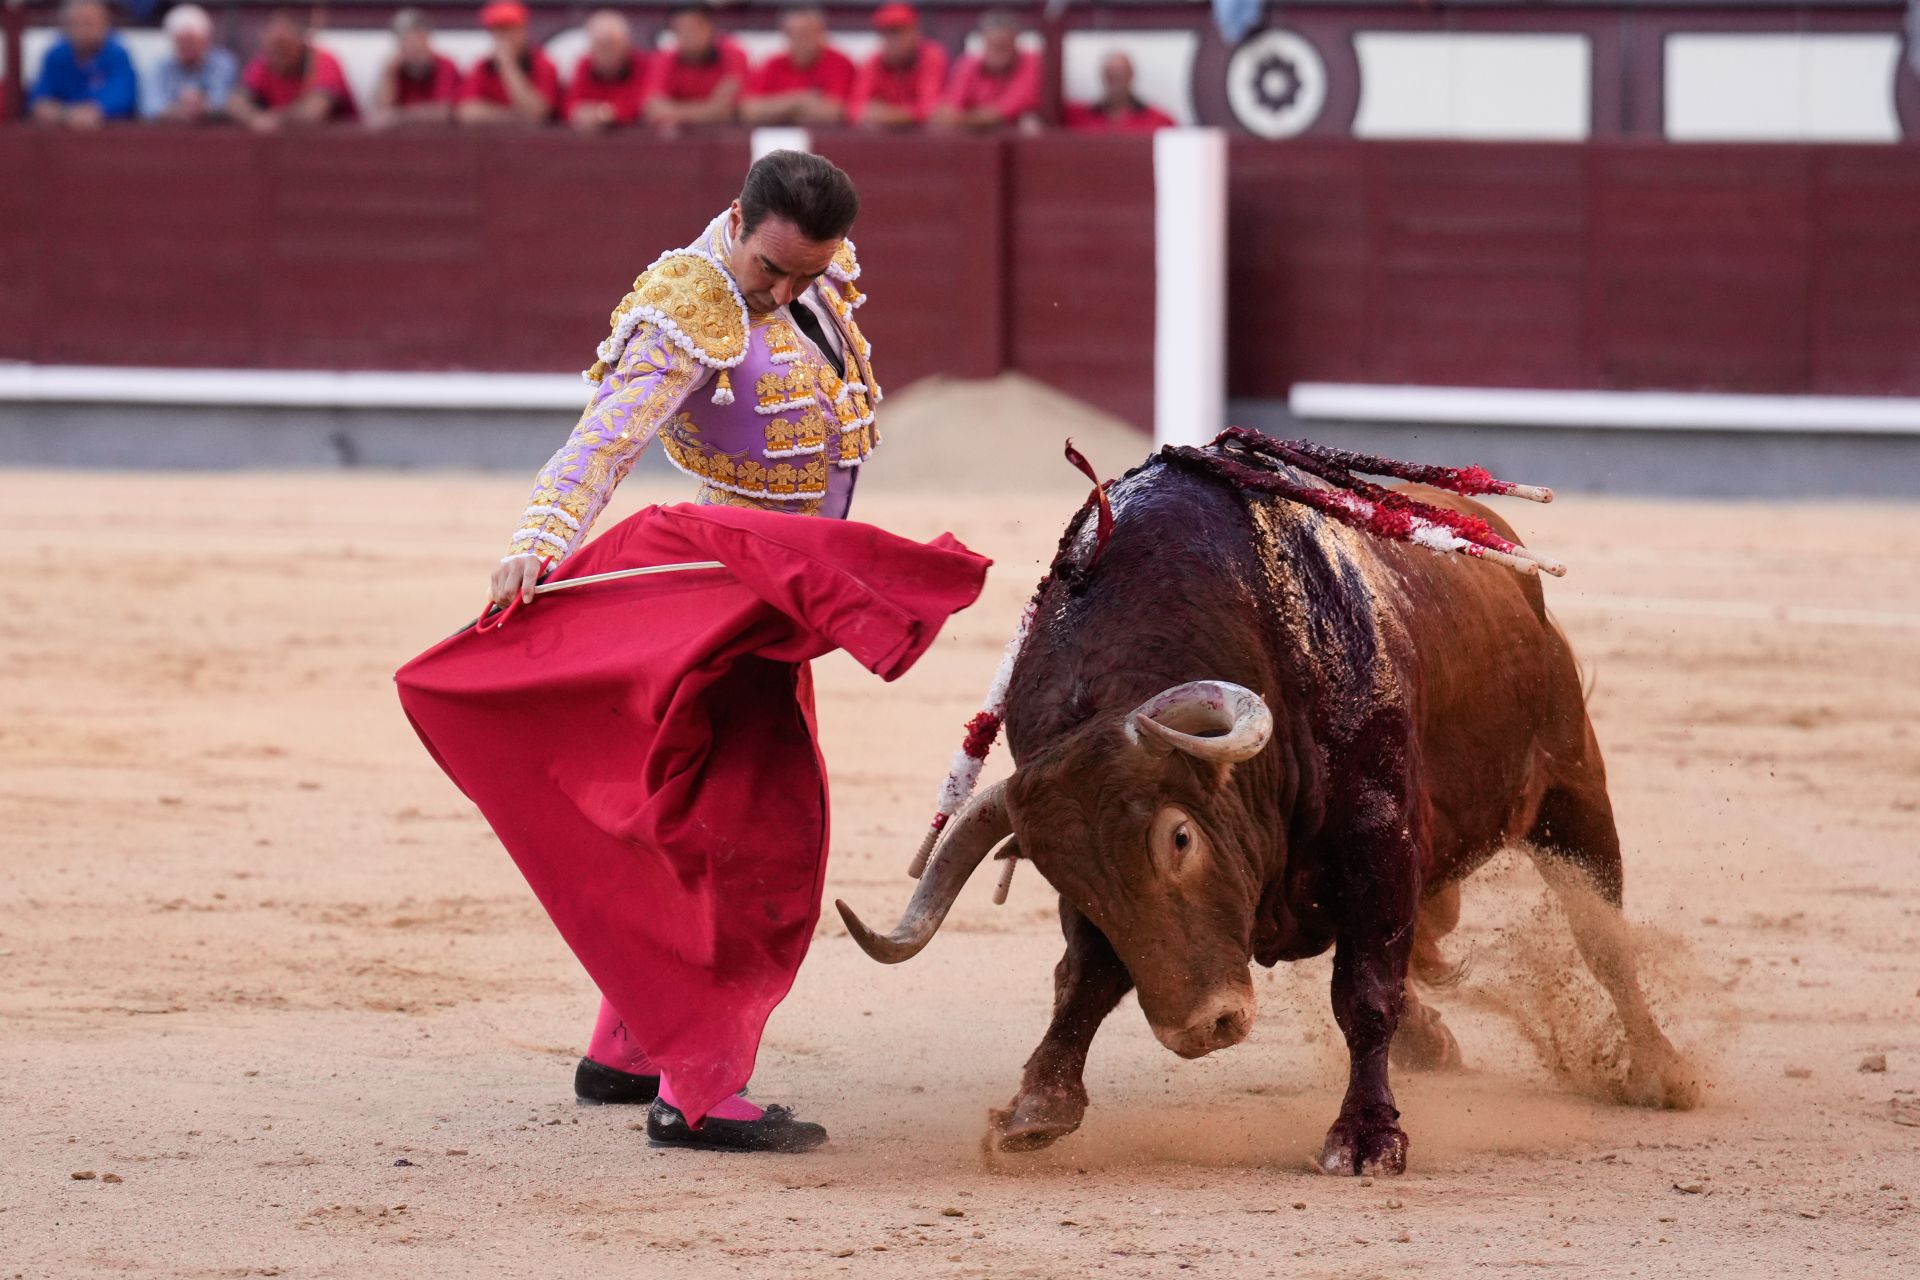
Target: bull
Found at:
1252, 721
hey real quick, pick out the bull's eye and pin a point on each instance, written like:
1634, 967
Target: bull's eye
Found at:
1174, 841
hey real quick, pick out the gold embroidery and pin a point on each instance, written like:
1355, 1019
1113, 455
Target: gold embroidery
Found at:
697, 300
783, 480
812, 432
782, 342
845, 266
712, 497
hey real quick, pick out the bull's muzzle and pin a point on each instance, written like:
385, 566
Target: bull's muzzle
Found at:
1222, 1020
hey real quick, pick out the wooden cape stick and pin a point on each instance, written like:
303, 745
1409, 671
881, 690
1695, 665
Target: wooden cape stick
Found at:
626, 573
494, 617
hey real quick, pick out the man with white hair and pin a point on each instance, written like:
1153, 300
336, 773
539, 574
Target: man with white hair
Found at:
197, 77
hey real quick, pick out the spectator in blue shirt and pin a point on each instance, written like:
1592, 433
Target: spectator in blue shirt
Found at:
87, 77
198, 77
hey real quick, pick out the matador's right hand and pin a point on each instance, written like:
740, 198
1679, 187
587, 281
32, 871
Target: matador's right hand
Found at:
516, 576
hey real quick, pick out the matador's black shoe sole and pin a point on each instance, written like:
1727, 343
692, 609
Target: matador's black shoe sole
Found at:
595, 1084
776, 1130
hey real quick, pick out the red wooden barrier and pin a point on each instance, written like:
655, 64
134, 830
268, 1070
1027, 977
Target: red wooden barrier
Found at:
1736, 268
1080, 268
1787, 269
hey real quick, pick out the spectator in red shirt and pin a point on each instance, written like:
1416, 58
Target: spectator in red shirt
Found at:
996, 87
610, 82
899, 86
698, 80
291, 82
808, 84
516, 83
418, 85
1118, 110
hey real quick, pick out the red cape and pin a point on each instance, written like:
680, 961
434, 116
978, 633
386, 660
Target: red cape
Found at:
646, 751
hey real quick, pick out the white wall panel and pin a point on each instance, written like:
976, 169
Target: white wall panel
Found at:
1781, 87
1450, 84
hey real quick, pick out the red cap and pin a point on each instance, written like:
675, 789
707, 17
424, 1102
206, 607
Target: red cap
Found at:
888, 16
503, 13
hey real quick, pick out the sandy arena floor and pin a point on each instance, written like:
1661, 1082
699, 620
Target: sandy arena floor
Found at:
267, 975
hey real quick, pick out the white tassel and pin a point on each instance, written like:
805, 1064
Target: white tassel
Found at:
964, 773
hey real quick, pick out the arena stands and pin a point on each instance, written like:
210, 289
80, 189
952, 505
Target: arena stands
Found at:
793, 65
1508, 70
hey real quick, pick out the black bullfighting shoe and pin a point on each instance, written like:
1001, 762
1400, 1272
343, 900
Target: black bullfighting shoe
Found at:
775, 1130
596, 1084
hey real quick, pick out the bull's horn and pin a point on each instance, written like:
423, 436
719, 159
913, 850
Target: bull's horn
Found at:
1209, 719
983, 824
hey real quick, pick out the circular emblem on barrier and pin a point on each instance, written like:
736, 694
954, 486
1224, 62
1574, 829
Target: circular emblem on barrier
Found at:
1276, 84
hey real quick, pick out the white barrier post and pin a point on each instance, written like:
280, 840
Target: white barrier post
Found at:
780, 138
1190, 285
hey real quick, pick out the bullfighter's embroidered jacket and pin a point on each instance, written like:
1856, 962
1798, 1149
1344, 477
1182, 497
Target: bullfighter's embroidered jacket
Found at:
780, 430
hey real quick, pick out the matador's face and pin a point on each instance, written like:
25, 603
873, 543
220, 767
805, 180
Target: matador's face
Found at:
776, 264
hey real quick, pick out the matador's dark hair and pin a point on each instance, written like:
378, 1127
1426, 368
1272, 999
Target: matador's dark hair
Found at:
806, 190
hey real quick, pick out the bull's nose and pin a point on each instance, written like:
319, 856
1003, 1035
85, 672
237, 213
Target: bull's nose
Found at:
1222, 1020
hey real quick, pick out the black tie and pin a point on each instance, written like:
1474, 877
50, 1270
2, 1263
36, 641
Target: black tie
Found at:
810, 325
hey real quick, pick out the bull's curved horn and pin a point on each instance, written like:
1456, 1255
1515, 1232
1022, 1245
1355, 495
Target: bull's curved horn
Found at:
972, 834
1209, 719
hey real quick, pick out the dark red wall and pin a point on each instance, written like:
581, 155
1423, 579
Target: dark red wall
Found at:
1750, 268
1737, 268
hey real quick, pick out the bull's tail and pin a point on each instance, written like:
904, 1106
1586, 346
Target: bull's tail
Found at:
1426, 964
1431, 969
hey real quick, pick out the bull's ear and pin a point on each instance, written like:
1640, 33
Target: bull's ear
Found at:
1216, 775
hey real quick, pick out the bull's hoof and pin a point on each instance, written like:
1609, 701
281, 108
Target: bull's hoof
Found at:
1035, 1119
1425, 1044
1659, 1078
1363, 1147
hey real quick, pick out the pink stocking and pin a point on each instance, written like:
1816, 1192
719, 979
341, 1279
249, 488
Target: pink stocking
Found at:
734, 1107
611, 1046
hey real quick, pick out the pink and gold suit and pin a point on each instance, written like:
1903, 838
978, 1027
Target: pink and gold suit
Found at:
780, 428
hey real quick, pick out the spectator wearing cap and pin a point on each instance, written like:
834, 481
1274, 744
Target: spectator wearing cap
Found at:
610, 83
418, 85
291, 82
899, 86
996, 87
808, 83
517, 82
196, 79
86, 78
699, 79
1118, 110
